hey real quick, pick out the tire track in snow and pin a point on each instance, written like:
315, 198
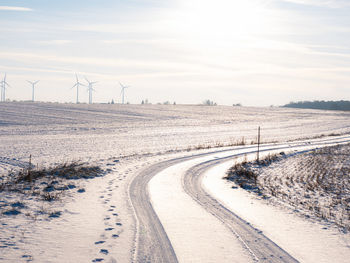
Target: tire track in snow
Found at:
152, 242
260, 246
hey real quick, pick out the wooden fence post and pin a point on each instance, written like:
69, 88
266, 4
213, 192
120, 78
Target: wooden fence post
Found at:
257, 159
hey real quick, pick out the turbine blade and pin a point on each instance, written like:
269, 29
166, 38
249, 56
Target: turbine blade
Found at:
76, 84
76, 76
36, 82
86, 79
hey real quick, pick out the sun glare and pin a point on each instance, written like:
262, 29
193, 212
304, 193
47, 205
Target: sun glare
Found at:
223, 21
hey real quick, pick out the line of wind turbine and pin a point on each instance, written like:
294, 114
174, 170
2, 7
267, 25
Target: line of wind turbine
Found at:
90, 89
77, 84
123, 91
33, 87
4, 86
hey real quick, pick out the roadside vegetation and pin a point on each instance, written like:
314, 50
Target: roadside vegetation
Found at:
19, 190
316, 183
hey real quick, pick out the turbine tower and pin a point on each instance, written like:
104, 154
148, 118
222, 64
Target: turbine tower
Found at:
123, 91
90, 89
77, 84
3, 88
33, 87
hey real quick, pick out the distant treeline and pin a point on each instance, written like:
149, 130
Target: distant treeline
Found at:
321, 105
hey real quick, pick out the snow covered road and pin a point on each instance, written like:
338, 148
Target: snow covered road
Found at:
188, 224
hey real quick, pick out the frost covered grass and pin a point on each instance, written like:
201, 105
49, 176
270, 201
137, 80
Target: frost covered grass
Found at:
316, 183
245, 173
45, 184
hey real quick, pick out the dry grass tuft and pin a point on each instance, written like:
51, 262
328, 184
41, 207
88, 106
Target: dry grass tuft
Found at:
46, 184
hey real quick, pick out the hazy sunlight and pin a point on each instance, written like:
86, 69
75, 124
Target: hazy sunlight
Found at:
223, 22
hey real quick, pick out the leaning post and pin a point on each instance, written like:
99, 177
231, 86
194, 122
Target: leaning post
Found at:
257, 159
29, 169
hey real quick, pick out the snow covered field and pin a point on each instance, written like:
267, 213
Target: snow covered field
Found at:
316, 182
99, 223
57, 132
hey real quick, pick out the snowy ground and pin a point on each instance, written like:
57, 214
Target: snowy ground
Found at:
306, 240
60, 132
99, 223
316, 182
193, 231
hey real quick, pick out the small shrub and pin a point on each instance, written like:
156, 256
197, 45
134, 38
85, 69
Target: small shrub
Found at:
50, 197
241, 174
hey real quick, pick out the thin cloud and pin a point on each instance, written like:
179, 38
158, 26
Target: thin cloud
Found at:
159, 65
54, 42
325, 3
15, 8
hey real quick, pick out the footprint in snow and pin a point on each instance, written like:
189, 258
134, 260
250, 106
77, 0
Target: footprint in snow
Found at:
104, 251
115, 236
98, 260
99, 242
27, 257
109, 229
12, 212
118, 224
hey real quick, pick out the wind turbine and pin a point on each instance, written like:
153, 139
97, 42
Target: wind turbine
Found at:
33, 87
77, 84
90, 89
3, 88
123, 91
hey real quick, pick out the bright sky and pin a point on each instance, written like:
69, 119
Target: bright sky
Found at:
256, 52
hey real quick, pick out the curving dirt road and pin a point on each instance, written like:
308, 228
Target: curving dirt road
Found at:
152, 242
